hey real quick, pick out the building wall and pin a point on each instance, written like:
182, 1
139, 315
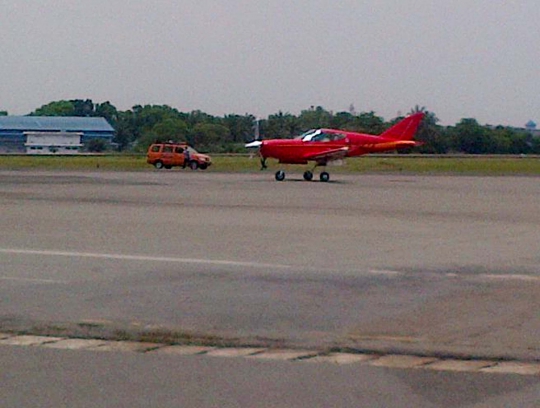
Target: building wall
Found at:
53, 143
13, 130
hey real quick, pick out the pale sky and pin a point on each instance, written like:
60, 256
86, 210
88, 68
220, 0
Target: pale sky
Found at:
457, 58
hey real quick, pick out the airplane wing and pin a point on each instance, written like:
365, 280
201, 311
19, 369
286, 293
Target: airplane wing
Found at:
397, 144
328, 155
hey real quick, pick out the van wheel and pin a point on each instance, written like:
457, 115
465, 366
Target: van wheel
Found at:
203, 166
158, 165
168, 167
193, 165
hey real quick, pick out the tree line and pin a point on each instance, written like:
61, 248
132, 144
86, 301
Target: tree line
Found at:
138, 127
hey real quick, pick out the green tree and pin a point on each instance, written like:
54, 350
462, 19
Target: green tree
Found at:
108, 111
57, 108
96, 145
314, 118
210, 137
3, 113
343, 120
429, 133
368, 122
470, 137
520, 143
126, 130
171, 129
281, 125
240, 127
535, 145
148, 116
195, 117
82, 107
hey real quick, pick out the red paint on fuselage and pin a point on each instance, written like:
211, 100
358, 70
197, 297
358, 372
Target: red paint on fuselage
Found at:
295, 151
341, 144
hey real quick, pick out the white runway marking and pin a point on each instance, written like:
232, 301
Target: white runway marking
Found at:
384, 272
220, 262
34, 280
525, 278
144, 258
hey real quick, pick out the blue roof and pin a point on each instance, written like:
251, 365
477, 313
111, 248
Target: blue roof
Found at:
55, 123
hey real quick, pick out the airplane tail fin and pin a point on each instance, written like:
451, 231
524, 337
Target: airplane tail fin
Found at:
405, 129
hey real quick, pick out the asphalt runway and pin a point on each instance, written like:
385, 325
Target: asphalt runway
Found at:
403, 263
50, 378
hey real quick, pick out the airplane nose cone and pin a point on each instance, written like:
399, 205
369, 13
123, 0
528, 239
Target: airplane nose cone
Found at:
256, 143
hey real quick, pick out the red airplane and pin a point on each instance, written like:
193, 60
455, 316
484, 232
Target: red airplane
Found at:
325, 145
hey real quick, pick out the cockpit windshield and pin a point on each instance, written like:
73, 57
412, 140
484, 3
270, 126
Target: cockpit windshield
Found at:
307, 136
318, 135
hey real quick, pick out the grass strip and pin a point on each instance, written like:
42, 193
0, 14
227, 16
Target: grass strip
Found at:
492, 165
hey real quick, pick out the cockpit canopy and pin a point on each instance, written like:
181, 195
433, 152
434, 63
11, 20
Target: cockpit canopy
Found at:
319, 135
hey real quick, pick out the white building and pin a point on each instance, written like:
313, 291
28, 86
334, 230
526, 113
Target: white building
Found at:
52, 142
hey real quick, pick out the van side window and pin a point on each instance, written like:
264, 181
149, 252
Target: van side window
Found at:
179, 149
156, 148
167, 149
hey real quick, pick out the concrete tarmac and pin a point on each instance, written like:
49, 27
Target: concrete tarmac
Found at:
41, 377
436, 265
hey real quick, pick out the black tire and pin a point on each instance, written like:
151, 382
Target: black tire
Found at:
168, 167
324, 177
193, 165
308, 175
203, 166
280, 175
158, 165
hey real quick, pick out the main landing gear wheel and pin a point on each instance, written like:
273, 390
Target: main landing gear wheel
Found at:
324, 176
308, 175
280, 175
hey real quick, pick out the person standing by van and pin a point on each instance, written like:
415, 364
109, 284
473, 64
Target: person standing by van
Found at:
186, 157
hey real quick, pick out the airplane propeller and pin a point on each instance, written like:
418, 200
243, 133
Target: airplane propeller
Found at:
256, 144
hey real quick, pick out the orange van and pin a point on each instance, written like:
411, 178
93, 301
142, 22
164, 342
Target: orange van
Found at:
168, 155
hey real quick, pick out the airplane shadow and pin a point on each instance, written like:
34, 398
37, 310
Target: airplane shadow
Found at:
292, 180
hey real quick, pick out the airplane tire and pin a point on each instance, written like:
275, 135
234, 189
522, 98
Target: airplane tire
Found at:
280, 175
324, 176
308, 175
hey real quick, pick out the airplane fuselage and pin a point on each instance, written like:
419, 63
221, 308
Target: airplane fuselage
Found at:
326, 145
298, 151
294, 151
